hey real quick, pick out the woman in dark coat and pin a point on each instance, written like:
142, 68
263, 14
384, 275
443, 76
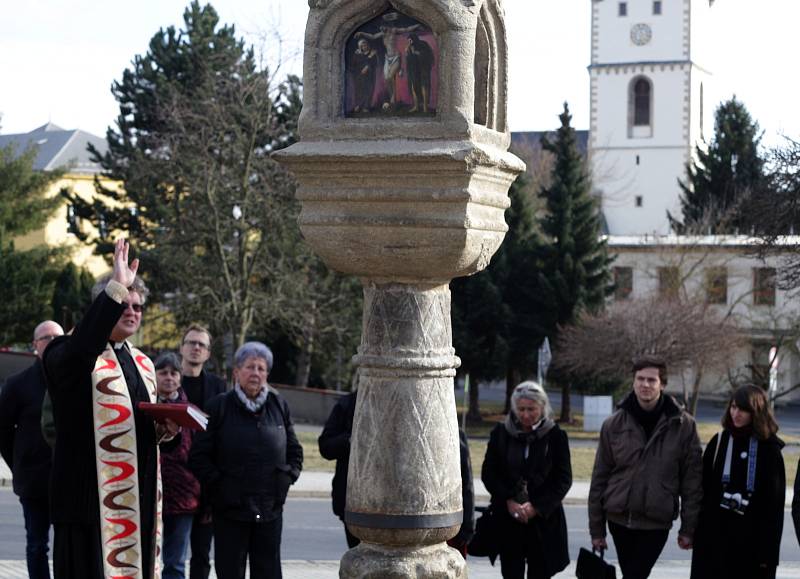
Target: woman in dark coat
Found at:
248, 458
527, 471
738, 535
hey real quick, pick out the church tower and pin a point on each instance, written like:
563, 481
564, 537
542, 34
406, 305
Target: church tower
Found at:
648, 108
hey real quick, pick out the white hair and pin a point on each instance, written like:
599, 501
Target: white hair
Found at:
530, 390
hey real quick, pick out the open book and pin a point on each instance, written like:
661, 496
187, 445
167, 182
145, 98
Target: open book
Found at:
181, 413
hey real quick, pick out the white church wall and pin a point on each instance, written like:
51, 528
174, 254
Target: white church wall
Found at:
667, 38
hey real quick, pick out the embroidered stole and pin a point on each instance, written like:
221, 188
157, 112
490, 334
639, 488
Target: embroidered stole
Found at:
117, 477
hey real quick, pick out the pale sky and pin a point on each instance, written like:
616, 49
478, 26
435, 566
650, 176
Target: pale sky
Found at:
58, 59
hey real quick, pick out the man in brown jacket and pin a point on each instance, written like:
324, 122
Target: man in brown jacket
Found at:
649, 457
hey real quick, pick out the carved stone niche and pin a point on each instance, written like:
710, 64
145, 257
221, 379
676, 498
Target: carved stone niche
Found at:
367, 180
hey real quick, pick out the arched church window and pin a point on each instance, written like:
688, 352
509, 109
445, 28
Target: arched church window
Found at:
640, 105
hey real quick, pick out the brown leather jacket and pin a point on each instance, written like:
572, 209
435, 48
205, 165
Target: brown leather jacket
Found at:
637, 482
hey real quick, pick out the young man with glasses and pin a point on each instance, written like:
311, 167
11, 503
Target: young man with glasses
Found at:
26, 452
200, 387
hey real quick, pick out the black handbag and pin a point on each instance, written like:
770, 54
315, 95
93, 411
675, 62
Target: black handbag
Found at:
592, 566
486, 540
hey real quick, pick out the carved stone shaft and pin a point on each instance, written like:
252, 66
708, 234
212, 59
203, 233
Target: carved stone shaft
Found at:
404, 486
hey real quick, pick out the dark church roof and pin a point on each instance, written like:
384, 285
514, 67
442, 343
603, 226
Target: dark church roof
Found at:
58, 148
532, 139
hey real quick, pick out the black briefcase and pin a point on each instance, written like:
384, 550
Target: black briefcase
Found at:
592, 566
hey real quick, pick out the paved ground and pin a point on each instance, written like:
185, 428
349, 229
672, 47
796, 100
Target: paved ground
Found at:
298, 569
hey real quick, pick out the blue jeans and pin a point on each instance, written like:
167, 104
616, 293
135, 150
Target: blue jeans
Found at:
177, 529
37, 535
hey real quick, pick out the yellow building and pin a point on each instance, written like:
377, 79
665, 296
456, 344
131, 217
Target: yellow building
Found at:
58, 148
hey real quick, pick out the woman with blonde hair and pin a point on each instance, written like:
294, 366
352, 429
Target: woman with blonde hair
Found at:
739, 532
527, 472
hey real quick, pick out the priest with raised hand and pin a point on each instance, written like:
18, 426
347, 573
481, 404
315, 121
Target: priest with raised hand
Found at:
105, 482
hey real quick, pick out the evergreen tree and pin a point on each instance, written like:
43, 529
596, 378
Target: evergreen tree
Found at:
213, 215
24, 205
574, 274
721, 178
27, 275
71, 295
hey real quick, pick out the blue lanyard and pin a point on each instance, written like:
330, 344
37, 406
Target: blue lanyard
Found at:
752, 455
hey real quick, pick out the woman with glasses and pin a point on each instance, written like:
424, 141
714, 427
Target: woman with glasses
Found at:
247, 459
739, 532
527, 472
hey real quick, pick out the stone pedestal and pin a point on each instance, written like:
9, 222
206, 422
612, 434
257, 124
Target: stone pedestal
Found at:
404, 187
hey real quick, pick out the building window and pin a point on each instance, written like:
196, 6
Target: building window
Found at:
639, 201
637, 159
640, 106
623, 282
669, 281
623, 8
702, 112
641, 102
760, 362
764, 286
656, 7
717, 285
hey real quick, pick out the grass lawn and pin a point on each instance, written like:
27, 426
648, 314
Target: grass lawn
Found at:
582, 457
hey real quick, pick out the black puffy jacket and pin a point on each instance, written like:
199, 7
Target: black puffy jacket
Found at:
247, 459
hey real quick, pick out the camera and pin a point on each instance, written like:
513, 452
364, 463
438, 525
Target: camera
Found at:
734, 502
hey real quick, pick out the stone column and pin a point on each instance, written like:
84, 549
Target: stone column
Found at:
404, 484
406, 197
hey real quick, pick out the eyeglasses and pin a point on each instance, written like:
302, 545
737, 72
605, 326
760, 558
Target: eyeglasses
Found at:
138, 308
47, 338
196, 344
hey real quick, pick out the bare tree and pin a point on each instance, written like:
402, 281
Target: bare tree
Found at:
687, 334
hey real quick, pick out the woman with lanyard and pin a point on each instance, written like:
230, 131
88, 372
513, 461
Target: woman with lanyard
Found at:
744, 485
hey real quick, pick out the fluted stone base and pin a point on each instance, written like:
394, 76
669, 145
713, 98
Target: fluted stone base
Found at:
370, 561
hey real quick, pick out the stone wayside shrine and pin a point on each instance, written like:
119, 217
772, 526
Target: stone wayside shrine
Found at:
403, 171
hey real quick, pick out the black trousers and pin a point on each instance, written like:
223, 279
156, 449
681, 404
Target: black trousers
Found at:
76, 551
236, 541
523, 544
352, 540
637, 550
202, 534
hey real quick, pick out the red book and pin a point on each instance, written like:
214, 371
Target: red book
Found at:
181, 413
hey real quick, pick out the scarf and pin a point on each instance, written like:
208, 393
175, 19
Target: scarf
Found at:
252, 405
117, 477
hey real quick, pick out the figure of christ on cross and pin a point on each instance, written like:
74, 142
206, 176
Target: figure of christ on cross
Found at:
391, 63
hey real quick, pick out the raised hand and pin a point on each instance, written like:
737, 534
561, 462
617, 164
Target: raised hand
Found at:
124, 273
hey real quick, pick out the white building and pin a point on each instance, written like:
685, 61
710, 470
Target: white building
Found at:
648, 108
725, 273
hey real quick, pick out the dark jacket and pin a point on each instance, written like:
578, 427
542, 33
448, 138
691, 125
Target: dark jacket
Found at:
181, 487
644, 483
755, 536
334, 444
21, 443
211, 386
547, 476
247, 460
69, 362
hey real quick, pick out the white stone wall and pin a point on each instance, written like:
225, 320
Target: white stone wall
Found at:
670, 60
668, 42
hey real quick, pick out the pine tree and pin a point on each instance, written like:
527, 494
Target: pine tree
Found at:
27, 276
71, 295
721, 178
574, 274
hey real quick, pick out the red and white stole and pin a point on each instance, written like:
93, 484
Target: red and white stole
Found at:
117, 477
